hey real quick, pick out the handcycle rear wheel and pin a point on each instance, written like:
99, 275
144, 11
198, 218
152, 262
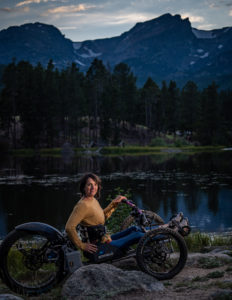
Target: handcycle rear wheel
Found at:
161, 253
30, 264
152, 218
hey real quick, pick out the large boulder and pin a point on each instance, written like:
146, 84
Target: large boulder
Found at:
105, 280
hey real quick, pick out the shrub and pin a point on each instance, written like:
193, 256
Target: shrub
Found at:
158, 141
113, 224
216, 274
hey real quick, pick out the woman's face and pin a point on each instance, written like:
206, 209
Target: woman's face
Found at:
91, 188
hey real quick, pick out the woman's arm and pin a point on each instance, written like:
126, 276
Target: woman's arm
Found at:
112, 206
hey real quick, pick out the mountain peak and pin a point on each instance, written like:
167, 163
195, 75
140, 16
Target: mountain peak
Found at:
36, 42
165, 18
165, 24
36, 28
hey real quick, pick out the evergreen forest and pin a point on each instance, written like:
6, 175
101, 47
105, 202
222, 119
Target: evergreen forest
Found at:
46, 107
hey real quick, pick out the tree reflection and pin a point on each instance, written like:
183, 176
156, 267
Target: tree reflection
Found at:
162, 183
213, 199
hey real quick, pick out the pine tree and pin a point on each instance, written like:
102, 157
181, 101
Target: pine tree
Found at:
8, 103
151, 94
209, 118
97, 78
189, 108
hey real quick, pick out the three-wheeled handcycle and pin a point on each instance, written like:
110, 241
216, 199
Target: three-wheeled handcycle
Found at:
34, 257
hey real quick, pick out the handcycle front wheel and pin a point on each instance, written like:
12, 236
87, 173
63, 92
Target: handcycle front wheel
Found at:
152, 218
29, 263
162, 253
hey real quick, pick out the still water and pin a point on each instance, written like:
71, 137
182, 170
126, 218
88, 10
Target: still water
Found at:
45, 189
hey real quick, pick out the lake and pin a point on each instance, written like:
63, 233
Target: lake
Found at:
45, 189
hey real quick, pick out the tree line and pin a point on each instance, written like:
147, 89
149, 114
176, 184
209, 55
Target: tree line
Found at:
44, 107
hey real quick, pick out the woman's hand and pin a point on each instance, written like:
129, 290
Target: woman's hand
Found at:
91, 248
119, 198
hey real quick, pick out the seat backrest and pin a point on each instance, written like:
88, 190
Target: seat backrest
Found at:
83, 232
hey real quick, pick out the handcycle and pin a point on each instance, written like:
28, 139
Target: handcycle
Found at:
34, 257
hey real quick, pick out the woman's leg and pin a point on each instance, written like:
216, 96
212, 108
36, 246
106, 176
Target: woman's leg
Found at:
123, 233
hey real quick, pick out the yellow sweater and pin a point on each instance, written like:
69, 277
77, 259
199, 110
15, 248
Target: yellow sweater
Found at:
89, 213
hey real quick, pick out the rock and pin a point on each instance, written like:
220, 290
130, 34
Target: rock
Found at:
105, 280
128, 264
193, 258
9, 297
221, 294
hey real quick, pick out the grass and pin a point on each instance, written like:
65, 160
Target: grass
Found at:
215, 274
115, 150
167, 283
224, 295
222, 284
209, 262
200, 241
199, 279
43, 152
212, 275
183, 284
212, 262
155, 149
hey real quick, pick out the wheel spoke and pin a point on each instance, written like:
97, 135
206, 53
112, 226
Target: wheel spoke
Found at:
27, 263
162, 253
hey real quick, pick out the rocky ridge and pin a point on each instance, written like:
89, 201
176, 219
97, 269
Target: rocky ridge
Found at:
164, 48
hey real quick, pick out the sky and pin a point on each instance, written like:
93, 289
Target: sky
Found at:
89, 19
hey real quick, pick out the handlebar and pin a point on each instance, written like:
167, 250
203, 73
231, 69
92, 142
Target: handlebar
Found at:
131, 204
128, 202
143, 218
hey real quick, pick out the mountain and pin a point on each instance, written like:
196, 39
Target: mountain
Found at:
165, 48
35, 43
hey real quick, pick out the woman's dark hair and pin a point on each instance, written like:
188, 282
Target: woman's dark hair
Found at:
95, 179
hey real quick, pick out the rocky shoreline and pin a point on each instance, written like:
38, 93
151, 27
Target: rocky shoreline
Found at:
205, 276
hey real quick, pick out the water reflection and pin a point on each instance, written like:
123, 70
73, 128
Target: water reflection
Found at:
45, 188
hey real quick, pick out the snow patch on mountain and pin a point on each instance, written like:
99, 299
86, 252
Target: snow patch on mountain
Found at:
205, 55
227, 29
79, 62
126, 38
90, 53
203, 34
77, 45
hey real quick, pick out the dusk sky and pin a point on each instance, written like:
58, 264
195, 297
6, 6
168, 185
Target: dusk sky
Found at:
82, 20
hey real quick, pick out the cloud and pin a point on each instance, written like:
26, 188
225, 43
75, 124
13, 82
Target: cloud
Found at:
230, 13
206, 26
192, 18
219, 3
13, 9
67, 27
226, 2
26, 2
129, 18
68, 9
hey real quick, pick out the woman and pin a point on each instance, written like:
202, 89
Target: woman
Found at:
88, 211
